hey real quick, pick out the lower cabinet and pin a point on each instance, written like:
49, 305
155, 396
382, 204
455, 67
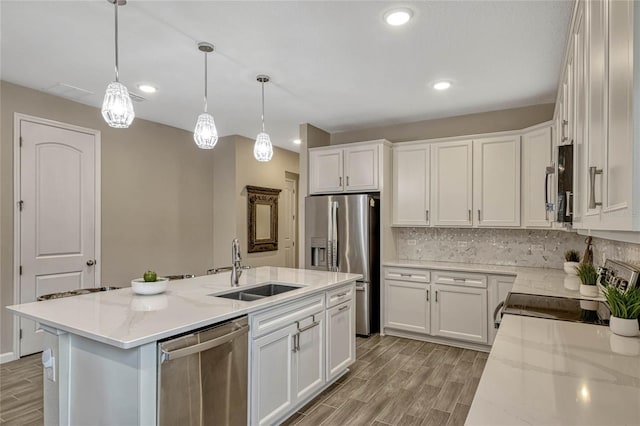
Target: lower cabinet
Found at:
407, 306
341, 345
296, 349
459, 313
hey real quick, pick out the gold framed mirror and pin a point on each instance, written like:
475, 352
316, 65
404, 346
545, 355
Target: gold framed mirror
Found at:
262, 219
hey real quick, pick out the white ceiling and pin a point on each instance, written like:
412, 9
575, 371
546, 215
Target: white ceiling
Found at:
334, 64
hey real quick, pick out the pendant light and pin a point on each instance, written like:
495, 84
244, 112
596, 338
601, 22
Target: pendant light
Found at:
205, 133
263, 150
117, 109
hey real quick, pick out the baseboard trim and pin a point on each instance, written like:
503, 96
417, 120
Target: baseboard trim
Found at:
439, 340
7, 357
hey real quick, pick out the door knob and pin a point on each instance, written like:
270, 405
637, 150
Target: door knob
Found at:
91, 262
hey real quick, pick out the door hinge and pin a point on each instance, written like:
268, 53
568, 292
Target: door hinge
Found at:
20, 205
20, 269
21, 333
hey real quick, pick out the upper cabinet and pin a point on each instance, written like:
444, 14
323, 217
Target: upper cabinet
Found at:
600, 70
353, 168
496, 169
411, 185
451, 183
537, 186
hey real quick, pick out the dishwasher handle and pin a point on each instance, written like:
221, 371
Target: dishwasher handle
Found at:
200, 347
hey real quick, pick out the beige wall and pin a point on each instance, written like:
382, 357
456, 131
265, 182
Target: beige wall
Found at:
486, 122
225, 216
157, 195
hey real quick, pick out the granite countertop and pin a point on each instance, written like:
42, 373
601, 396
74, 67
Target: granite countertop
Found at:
547, 372
529, 280
126, 320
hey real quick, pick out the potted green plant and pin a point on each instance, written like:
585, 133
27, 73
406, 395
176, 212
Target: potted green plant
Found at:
625, 309
589, 278
572, 260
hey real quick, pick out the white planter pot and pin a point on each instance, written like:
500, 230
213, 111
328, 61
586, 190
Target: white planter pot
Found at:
623, 327
571, 268
572, 282
589, 290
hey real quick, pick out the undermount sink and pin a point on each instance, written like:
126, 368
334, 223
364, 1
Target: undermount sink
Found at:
257, 293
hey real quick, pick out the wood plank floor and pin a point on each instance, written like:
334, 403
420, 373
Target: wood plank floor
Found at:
21, 392
397, 381
394, 381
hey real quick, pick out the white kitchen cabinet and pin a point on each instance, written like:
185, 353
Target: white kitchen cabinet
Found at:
459, 313
537, 188
326, 171
452, 183
407, 306
309, 356
496, 170
361, 168
272, 384
411, 176
497, 291
341, 341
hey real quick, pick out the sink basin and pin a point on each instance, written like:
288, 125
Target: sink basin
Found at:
257, 293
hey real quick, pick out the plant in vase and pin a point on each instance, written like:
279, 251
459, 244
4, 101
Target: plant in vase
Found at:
588, 277
625, 309
572, 260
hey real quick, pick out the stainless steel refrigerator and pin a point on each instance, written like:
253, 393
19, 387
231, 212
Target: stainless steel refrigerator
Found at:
342, 235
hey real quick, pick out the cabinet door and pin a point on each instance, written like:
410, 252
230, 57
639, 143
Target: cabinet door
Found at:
497, 291
536, 187
407, 306
361, 168
496, 168
309, 362
459, 313
272, 393
341, 338
411, 186
325, 171
451, 183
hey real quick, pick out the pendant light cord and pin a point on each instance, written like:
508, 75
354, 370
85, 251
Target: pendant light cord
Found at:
205, 81
116, 36
263, 107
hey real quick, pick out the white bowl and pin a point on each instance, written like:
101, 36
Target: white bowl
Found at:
139, 286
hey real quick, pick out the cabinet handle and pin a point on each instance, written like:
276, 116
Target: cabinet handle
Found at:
342, 294
568, 196
479, 215
436, 296
427, 295
460, 279
469, 215
343, 308
593, 171
309, 327
405, 275
347, 180
564, 123
427, 214
340, 181
295, 343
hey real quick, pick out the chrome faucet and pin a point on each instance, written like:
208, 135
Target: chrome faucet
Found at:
236, 265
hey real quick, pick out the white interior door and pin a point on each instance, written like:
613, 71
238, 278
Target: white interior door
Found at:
58, 225
290, 216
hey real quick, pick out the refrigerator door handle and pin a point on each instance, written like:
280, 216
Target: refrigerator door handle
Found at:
334, 236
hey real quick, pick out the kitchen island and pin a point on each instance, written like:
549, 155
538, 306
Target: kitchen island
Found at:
106, 344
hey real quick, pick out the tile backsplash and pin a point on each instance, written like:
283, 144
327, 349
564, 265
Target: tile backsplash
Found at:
517, 247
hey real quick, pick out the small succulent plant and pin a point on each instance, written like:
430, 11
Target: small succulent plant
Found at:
587, 273
572, 256
623, 304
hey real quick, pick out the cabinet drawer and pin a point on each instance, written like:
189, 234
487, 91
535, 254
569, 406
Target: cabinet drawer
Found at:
275, 318
466, 279
408, 274
339, 295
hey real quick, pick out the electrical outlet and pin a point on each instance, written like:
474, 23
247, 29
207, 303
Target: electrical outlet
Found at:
411, 242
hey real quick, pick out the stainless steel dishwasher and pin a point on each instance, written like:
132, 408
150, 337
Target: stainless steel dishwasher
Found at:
202, 376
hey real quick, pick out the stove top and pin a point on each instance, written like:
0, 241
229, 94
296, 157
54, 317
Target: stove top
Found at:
557, 308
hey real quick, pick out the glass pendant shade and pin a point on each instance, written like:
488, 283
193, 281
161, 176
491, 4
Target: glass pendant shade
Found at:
205, 134
117, 108
263, 150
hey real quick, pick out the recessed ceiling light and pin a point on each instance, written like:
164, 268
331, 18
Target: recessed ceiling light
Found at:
297, 141
147, 88
442, 85
398, 17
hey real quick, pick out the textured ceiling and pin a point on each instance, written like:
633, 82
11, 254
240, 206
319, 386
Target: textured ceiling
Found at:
334, 64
